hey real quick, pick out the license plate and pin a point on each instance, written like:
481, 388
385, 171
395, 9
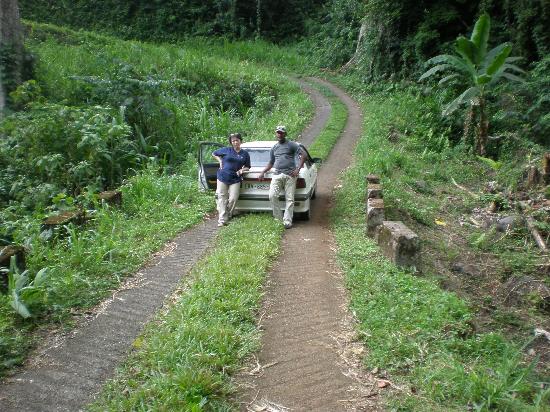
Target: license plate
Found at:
256, 186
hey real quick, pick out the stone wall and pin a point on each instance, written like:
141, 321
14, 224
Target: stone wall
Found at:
397, 242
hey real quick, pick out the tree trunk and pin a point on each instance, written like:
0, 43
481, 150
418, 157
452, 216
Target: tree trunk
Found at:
357, 53
11, 49
258, 19
469, 121
482, 129
546, 168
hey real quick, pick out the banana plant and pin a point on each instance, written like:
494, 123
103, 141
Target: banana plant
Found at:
478, 70
24, 292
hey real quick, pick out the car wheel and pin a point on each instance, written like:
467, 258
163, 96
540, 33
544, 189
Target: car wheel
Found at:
314, 194
305, 215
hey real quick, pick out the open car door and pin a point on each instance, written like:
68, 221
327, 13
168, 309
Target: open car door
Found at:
208, 166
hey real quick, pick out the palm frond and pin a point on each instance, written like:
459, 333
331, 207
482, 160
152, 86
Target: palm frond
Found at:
498, 60
483, 79
514, 59
447, 79
434, 70
455, 61
512, 77
466, 49
492, 53
463, 98
480, 36
513, 67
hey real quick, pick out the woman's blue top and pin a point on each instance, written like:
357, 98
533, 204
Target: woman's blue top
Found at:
232, 161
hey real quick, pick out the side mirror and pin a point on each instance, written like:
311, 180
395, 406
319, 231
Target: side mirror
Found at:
317, 160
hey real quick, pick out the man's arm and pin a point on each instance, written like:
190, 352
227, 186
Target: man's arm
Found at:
268, 167
302, 157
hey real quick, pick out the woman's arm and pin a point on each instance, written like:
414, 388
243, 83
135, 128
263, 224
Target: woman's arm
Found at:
219, 159
246, 165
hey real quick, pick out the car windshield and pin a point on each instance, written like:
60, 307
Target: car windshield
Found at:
258, 157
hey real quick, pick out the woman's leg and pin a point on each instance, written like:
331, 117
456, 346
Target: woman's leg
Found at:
234, 191
222, 195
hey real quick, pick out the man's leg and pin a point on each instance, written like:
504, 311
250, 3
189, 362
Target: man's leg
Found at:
234, 191
222, 193
274, 190
290, 188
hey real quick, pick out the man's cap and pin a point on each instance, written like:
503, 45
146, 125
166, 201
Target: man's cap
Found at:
280, 129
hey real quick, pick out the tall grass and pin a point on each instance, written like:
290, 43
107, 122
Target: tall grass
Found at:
91, 260
173, 96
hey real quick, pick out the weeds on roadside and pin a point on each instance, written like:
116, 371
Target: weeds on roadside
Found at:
421, 334
328, 137
83, 266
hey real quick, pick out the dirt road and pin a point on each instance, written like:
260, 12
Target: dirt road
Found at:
305, 364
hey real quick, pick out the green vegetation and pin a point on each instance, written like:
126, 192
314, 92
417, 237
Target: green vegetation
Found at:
89, 261
184, 359
390, 42
423, 336
128, 115
101, 113
479, 70
173, 20
328, 137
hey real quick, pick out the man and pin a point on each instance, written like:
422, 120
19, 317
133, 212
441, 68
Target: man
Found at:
283, 158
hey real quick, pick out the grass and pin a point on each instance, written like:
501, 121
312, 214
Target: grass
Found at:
328, 137
185, 358
90, 261
160, 200
412, 328
208, 89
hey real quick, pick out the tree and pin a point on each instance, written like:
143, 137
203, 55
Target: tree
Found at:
479, 71
11, 49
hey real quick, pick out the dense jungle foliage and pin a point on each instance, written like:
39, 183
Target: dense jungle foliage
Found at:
399, 35
114, 114
397, 38
175, 19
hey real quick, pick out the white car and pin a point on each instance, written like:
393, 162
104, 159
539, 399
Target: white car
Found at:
254, 194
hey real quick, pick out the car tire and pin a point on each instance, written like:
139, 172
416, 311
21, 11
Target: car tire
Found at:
314, 194
305, 215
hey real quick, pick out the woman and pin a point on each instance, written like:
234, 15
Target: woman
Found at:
233, 163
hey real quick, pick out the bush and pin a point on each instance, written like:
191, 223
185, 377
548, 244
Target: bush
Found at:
54, 148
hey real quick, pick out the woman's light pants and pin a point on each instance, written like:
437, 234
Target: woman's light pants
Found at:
282, 182
227, 198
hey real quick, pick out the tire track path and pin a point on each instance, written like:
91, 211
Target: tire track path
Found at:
305, 307
66, 373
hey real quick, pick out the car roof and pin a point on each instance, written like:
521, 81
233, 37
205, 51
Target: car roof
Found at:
259, 144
